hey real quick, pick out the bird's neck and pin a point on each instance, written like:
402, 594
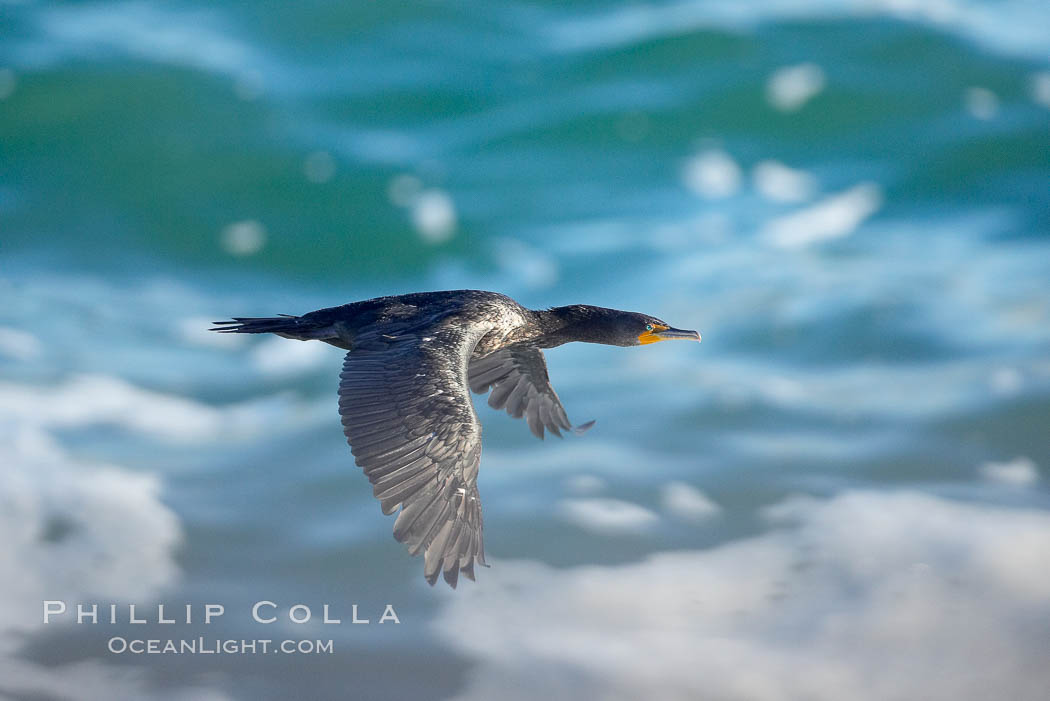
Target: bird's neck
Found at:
577, 322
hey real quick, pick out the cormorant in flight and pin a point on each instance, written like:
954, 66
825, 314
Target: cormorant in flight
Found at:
405, 405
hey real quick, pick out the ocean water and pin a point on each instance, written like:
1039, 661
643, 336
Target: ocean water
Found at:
841, 494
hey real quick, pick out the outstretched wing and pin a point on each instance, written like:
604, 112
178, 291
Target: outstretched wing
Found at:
518, 378
412, 428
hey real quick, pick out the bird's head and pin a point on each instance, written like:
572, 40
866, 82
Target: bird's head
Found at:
582, 322
641, 329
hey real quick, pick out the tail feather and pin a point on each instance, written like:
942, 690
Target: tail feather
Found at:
282, 324
309, 327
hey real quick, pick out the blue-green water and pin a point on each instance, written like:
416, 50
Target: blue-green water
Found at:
842, 493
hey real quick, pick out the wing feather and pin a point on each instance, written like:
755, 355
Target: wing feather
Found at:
518, 380
407, 415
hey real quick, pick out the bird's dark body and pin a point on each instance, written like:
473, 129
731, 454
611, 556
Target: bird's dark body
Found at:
498, 319
405, 404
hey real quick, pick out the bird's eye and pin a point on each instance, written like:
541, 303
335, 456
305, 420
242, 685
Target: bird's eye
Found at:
648, 327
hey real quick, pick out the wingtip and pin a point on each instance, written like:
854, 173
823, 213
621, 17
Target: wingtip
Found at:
583, 428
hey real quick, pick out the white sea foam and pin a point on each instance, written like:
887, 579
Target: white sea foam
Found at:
1012, 26
609, 458
1019, 472
607, 516
194, 330
19, 344
96, 400
1006, 381
834, 217
779, 183
74, 531
908, 389
244, 238
434, 216
686, 502
80, 530
526, 264
866, 596
193, 38
712, 174
785, 391
883, 390
87, 400
585, 484
432, 211
61, 515
791, 87
284, 357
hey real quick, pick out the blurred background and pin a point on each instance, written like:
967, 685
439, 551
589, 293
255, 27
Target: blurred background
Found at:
841, 494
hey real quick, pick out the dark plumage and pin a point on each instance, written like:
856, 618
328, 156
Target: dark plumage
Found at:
405, 405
